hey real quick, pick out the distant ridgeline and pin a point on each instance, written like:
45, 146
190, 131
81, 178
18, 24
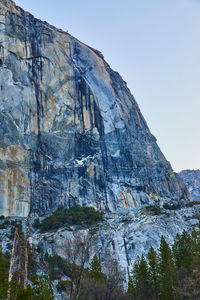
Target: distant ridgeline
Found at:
192, 182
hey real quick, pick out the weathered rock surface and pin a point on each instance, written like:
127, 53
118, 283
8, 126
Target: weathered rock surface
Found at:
192, 182
70, 130
72, 133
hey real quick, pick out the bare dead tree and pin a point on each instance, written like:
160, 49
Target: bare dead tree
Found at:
26, 252
19, 267
111, 288
92, 289
12, 260
77, 250
114, 280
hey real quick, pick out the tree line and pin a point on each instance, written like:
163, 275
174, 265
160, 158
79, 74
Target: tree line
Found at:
170, 272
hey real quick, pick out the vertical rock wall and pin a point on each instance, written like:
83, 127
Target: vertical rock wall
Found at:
70, 130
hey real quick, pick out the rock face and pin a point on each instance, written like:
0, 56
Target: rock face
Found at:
70, 130
192, 182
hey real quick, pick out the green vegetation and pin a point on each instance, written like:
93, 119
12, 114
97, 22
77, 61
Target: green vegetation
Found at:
154, 209
57, 266
171, 207
76, 215
5, 224
141, 283
63, 285
95, 270
172, 174
153, 272
192, 203
40, 288
170, 273
4, 266
167, 272
36, 224
13, 225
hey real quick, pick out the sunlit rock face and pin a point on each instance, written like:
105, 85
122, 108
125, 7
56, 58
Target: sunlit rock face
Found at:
70, 130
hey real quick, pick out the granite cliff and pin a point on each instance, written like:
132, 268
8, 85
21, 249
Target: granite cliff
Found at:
72, 133
192, 182
70, 130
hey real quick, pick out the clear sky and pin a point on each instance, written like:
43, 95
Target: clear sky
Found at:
155, 46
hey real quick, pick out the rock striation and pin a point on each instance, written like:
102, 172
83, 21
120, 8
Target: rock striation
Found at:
72, 133
192, 182
70, 130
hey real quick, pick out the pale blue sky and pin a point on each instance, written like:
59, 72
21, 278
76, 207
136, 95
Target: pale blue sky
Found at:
155, 46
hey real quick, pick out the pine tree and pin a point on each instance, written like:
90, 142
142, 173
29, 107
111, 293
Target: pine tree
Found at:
167, 270
186, 250
131, 289
195, 235
95, 270
4, 266
42, 289
153, 273
183, 251
25, 294
141, 282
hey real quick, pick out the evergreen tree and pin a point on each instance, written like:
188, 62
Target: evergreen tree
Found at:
4, 266
131, 289
141, 282
183, 251
167, 270
189, 272
42, 289
25, 294
196, 240
153, 273
95, 270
